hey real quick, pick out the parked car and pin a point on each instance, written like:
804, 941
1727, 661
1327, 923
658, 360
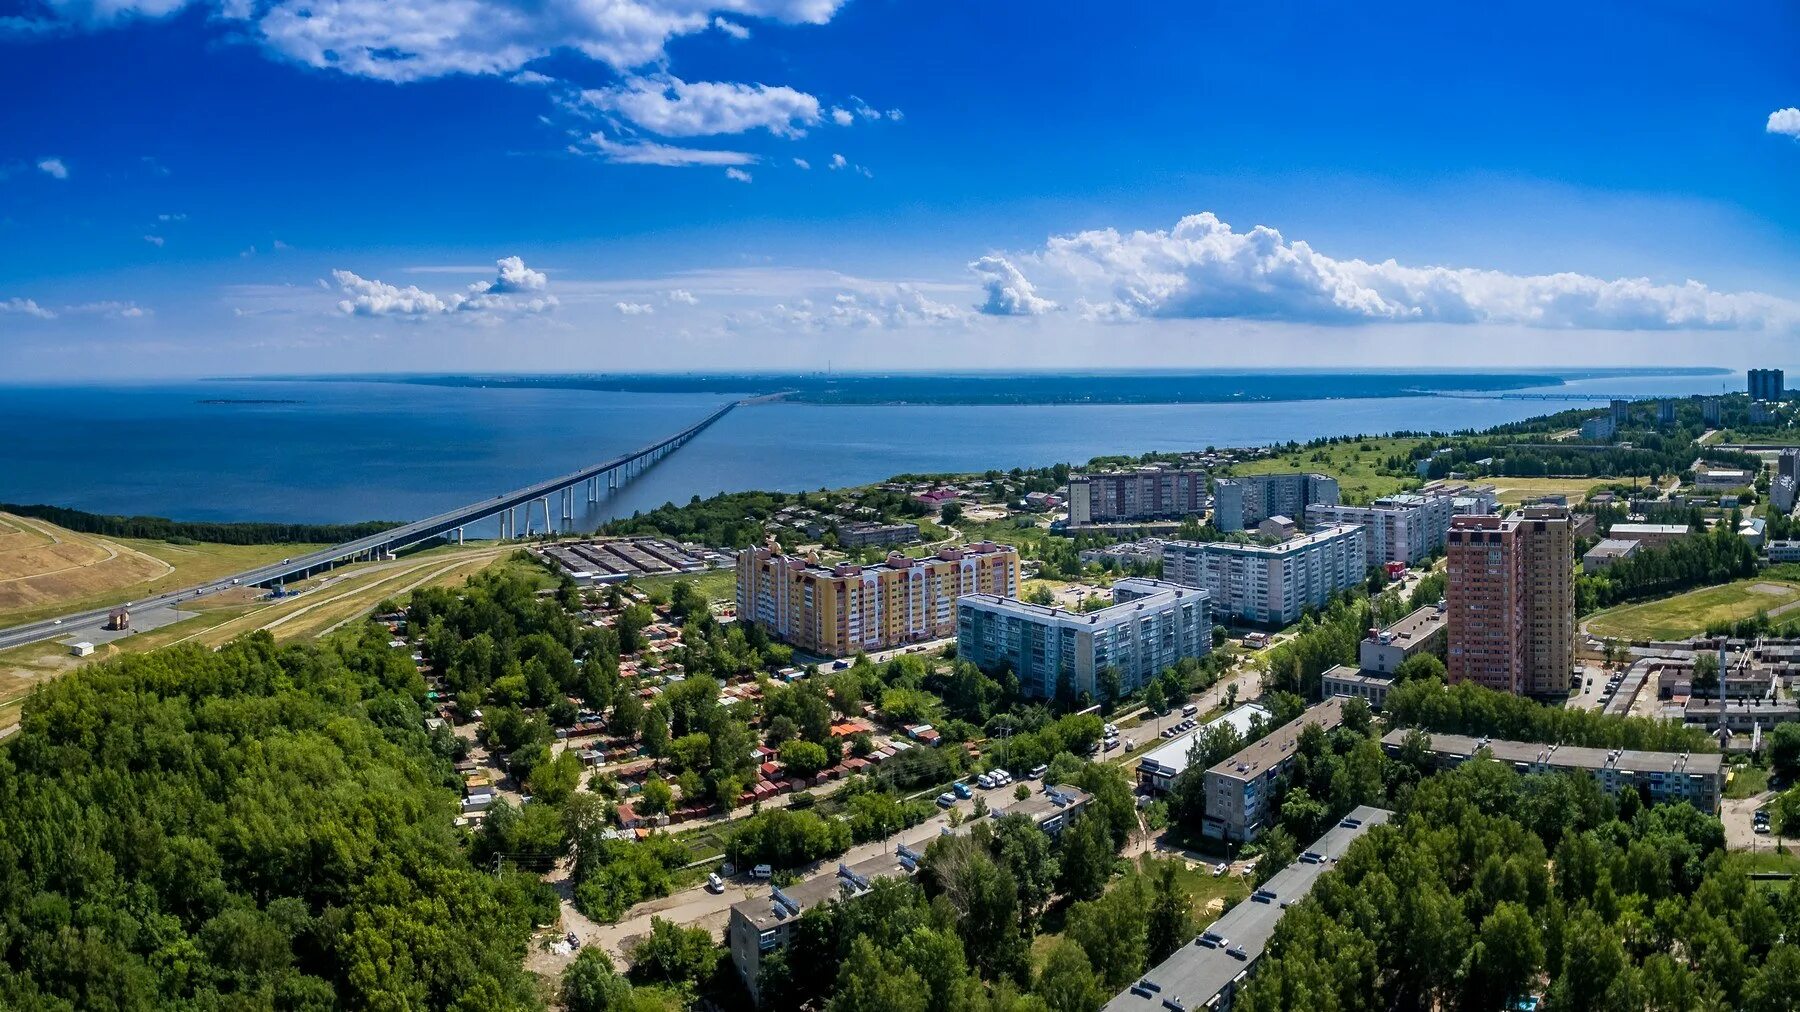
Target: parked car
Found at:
962, 789
986, 781
946, 799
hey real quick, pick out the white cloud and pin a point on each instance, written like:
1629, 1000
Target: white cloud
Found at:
731, 28
737, 174
802, 163
683, 297
26, 307
1008, 292
279, 246
634, 308
651, 153
410, 40
1202, 269
1784, 121
531, 77
841, 116
155, 240
513, 290
53, 167
171, 217
838, 161
868, 306
672, 107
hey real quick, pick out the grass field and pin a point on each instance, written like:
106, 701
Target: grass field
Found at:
322, 606
1747, 782
715, 585
1514, 490
1689, 614
46, 570
1207, 898
1358, 470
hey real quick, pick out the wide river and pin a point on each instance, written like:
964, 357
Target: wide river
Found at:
392, 451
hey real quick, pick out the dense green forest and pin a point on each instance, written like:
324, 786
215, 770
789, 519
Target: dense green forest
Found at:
256, 827
1494, 886
162, 529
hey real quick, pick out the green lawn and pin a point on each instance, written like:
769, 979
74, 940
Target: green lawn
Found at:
715, 584
1689, 614
1747, 782
1358, 470
1207, 895
1765, 861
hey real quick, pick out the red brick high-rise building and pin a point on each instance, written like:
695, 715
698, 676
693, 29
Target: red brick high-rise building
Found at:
1511, 599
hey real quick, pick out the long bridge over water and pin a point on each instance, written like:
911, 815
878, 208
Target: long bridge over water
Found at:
515, 511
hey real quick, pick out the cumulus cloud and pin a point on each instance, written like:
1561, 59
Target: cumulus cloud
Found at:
516, 289
731, 28
1008, 291
842, 117
682, 296
410, 40
802, 163
870, 307
672, 107
839, 161
1203, 269
634, 308
737, 174
652, 153
1784, 121
26, 307
53, 167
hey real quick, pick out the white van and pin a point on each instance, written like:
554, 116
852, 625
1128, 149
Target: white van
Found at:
761, 871
714, 883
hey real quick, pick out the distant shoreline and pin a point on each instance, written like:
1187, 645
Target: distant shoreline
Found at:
1019, 389
247, 400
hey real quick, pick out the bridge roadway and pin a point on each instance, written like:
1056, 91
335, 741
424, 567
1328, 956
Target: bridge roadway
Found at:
504, 506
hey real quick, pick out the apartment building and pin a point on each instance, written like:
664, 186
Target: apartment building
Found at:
1245, 501
839, 610
1397, 528
1511, 601
1238, 788
1150, 626
1696, 778
1270, 584
1766, 384
1206, 973
1157, 770
1146, 493
1424, 631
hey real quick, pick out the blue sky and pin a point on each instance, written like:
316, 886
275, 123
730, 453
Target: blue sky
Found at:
208, 186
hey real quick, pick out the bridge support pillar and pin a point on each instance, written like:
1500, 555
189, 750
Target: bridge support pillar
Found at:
546, 501
459, 539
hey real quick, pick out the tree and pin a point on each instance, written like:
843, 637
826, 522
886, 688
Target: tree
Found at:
803, 758
627, 715
1706, 672
655, 798
1171, 921
1421, 665
952, 513
590, 984
1505, 958
1028, 854
1154, 699
1112, 931
1108, 683
1087, 857
1021, 792
873, 982
672, 954
1279, 851
1068, 983
656, 733
554, 781
1784, 751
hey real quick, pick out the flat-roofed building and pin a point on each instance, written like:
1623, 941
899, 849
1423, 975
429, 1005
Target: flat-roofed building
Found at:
1697, 778
874, 535
1269, 584
1243, 502
1207, 972
1238, 788
1150, 626
1648, 535
1607, 552
1157, 770
1397, 528
1146, 493
1511, 599
1424, 631
838, 610
1354, 683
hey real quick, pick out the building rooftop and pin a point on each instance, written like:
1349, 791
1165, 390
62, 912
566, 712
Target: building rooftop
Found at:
1171, 758
1044, 805
1650, 529
1420, 625
1255, 758
1197, 972
1570, 756
1144, 593
768, 911
1292, 544
1356, 676
895, 561
1611, 548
